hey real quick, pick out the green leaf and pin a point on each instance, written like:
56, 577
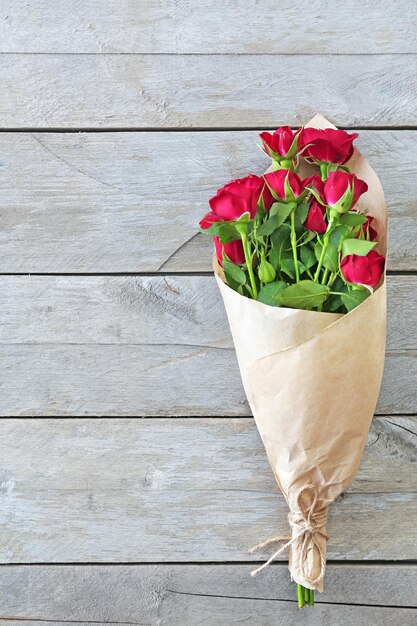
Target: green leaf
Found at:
235, 272
269, 226
331, 256
307, 256
282, 208
357, 246
283, 234
275, 258
304, 295
213, 230
355, 297
270, 293
333, 304
306, 237
227, 232
288, 267
276, 218
280, 246
340, 285
352, 219
302, 211
245, 217
337, 234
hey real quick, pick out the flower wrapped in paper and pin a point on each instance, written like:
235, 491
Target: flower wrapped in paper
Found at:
312, 376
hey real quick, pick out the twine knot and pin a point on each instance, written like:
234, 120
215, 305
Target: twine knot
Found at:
308, 524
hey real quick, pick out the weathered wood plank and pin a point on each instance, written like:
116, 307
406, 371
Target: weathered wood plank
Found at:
171, 594
147, 310
171, 91
317, 26
162, 490
150, 380
140, 346
103, 202
202, 610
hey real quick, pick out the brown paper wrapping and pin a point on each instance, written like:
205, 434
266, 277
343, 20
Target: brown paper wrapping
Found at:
312, 381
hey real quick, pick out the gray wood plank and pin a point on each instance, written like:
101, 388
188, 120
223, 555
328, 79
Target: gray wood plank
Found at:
171, 91
103, 202
128, 490
143, 346
151, 380
317, 26
167, 310
91, 336
171, 594
202, 610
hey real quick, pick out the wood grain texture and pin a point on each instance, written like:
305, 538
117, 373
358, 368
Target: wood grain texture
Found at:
149, 346
184, 490
188, 595
174, 91
150, 380
106, 26
127, 202
166, 310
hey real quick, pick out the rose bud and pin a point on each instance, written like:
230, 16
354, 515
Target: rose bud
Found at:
326, 146
236, 198
363, 270
266, 271
233, 250
366, 228
315, 218
285, 185
282, 145
341, 190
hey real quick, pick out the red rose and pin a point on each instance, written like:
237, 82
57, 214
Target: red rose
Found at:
314, 182
233, 250
315, 218
285, 184
281, 143
363, 270
368, 230
238, 197
336, 186
209, 219
327, 145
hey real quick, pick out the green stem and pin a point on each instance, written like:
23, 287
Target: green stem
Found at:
323, 250
323, 171
248, 259
300, 596
325, 275
321, 259
332, 278
294, 247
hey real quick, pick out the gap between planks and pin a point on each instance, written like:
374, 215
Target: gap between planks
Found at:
157, 417
210, 54
161, 274
179, 129
329, 562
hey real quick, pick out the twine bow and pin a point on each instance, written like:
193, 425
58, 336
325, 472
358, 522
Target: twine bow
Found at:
308, 525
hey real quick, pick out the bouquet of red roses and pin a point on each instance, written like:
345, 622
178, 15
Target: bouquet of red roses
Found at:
300, 265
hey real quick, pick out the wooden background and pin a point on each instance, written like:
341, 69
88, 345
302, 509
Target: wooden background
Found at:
118, 121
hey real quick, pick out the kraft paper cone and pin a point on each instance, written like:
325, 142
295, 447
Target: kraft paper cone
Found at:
312, 381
